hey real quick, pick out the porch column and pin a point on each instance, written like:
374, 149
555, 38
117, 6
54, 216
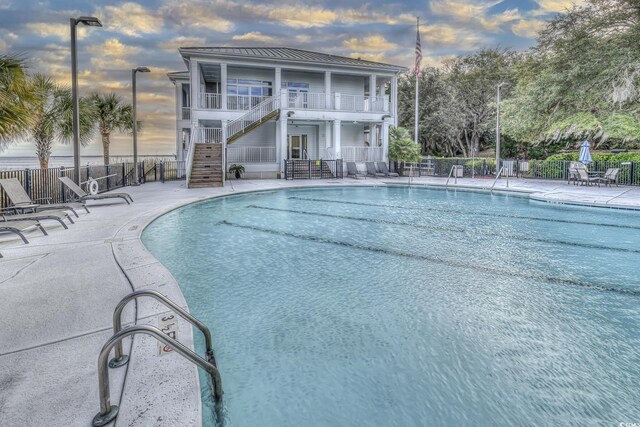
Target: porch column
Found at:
223, 86
385, 140
372, 87
394, 100
327, 133
327, 89
336, 138
224, 130
195, 84
282, 142
277, 82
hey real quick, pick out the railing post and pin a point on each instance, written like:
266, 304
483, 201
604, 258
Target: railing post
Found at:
106, 174
124, 174
27, 180
631, 167
162, 172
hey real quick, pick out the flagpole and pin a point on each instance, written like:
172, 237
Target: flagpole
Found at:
417, 84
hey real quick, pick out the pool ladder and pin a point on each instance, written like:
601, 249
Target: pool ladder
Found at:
109, 412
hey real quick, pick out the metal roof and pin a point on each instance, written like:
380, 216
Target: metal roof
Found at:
178, 75
290, 54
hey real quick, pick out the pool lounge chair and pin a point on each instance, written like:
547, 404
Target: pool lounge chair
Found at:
83, 196
352, 171
22, 202
583, 178
573, 172
10, 216
382, 168
610, 176
372, 171
19, 227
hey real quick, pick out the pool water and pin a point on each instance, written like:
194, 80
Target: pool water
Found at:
397, 306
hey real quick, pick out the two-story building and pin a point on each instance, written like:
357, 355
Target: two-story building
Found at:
269, 105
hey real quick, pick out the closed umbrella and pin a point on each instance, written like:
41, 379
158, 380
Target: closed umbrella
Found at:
585, 155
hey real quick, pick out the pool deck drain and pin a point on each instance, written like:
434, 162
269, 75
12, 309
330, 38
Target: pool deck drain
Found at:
59, 292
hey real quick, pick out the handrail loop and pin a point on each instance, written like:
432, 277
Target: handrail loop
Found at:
455, 176
108, 412
122, 359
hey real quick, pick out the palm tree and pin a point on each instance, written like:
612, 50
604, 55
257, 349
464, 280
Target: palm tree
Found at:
112, 115
15, 95
53, 117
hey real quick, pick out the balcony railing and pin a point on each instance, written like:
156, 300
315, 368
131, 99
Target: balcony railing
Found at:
244, 102
210, 101
209, 135
310, 101
251, 154
360, 103
361, 154
186, 113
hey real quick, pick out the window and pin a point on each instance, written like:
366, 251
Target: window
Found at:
298, 94
244, 94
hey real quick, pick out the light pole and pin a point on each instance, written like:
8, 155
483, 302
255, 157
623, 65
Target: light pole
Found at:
498, 127
90, 21
136, 178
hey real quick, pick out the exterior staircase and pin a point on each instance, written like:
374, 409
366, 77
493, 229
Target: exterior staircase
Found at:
206, 167
206, 163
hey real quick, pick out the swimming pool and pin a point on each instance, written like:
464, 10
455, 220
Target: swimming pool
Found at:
395, 306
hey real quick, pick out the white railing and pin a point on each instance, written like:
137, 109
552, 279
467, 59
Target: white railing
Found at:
186, 113
190, 153
244, 102
361, 103
307, 101
361, 154
209, 135
251, 154
210, 101
255, 115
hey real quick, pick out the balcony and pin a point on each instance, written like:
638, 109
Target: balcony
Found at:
301, 101
186, 113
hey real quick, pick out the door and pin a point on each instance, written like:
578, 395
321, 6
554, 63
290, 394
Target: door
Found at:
298, 147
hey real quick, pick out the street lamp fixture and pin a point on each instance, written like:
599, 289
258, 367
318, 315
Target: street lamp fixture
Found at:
90, 21
136, 178
500, 86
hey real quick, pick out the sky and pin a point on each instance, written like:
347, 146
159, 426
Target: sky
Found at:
149, 33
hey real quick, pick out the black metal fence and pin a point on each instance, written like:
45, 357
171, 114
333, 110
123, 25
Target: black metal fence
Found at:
629, 172
313, 169
43, 185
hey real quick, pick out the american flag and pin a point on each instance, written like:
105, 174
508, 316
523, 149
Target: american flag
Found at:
418, 49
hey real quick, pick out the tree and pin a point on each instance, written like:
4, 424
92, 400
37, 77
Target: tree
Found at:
401, 147
111, 115
15, 97
53, 117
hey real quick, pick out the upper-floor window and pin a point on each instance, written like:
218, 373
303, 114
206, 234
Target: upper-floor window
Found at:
249, 87
298, 97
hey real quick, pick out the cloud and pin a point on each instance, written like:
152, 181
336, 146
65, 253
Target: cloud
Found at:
556, 6
256, 36
494, 22
130, 19
181, 41
447, 35
114, 48
61, 31
375, 43
368, 56
528, 28
459, 10
198, 14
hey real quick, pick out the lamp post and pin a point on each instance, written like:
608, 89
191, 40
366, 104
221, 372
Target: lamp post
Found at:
498, 127
136, 178
90, 21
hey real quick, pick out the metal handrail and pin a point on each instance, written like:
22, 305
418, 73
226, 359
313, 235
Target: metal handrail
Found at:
191, 153
498, 176
122, 359
109, 412
455, 177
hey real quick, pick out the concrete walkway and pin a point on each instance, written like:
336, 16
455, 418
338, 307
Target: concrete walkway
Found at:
59, 292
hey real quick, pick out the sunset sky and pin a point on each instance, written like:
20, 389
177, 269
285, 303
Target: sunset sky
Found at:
148, 33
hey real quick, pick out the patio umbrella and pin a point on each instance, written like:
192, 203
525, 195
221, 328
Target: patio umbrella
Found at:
585, 155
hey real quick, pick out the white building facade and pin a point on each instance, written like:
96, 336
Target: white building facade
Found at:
268, 105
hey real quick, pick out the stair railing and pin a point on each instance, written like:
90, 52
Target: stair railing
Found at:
190, 153
254, 115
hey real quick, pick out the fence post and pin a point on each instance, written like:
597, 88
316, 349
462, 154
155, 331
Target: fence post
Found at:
124, 174
106, 174
155, 171
162, 172
631, 167
27, 180
62, 192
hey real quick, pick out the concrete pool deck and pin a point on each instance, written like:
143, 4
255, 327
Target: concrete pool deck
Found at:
59, 292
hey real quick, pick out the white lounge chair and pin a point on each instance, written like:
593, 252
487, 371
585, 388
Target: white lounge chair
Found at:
83, 195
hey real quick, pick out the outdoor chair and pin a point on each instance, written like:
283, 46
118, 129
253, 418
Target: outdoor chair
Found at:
19, 227
84, 196
584, 178
382, 168
23, 203
610, 176
9, 215
372, 171
573, 172
352, 171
